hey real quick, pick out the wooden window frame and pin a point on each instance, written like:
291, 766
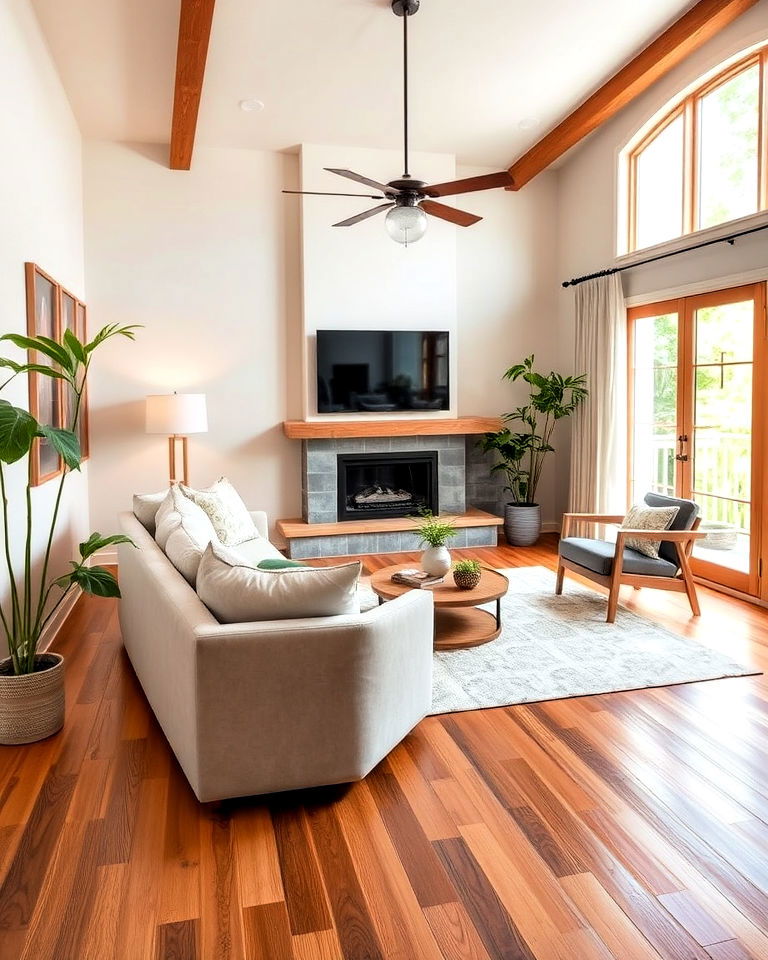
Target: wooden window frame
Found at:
689, 109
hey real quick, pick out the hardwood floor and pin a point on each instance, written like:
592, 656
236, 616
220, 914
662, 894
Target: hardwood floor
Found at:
631, 826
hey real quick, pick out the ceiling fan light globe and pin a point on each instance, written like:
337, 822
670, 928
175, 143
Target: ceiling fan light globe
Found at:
406, 224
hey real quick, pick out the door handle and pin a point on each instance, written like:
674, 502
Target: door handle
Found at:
681, 441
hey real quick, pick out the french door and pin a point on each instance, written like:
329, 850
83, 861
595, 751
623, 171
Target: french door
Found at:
697, 421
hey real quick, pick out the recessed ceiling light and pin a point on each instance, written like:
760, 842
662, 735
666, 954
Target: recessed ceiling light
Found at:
528, 123
251, 106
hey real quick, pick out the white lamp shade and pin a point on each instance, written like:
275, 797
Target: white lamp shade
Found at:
177, 413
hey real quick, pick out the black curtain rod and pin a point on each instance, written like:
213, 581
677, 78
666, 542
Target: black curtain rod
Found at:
731, 238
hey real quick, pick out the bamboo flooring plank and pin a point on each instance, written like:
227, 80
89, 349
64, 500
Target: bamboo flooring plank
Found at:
609, 923
268, 932
178, 941
99, 940
221, 922
703, 927
729, 950
258, 861
455, 933
321, 945
304, 892
180, 882
501, 938
129, 769
350, 912
420, 795
425, 872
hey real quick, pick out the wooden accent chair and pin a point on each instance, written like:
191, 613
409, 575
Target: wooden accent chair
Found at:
615, 564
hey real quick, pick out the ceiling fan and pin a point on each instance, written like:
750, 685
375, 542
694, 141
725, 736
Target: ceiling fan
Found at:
407, 200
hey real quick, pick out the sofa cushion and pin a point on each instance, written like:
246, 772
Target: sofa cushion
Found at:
235, 592
598, 555
227, 512
252, 552
182, 532
643, 517
687, 513
145, 507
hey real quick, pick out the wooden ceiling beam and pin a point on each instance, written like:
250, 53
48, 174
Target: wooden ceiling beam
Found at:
687, 34
194, 34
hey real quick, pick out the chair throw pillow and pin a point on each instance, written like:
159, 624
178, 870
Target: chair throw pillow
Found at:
236, 592
226, 510
641, 517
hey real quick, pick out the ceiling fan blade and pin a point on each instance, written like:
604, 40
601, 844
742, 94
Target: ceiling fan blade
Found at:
325, 193
351, 175
364, 216
459, 217
489, 181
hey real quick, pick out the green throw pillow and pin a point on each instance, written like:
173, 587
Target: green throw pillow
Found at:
279, 564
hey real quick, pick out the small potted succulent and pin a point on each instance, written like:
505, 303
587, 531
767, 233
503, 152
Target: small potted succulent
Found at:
434, 533
466, 574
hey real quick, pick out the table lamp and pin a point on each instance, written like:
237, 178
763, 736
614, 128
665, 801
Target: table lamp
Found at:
177, 415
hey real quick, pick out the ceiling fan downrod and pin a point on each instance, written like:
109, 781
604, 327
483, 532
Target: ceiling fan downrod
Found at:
405, 9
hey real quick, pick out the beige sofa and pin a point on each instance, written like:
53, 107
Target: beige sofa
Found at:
254, 708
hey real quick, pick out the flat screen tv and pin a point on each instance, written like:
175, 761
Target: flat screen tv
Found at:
380, 371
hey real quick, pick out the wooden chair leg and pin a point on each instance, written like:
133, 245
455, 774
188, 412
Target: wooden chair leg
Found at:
613, 595
560, 577
690, 585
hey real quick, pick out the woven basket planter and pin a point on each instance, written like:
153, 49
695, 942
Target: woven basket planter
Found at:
466, 581
32, 705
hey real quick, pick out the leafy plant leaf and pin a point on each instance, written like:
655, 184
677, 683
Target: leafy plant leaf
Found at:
64, 442
74, 346
96, 580
96, 542
18, 429
112, 330
54, 351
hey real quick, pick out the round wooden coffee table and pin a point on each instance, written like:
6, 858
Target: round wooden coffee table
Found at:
458, 622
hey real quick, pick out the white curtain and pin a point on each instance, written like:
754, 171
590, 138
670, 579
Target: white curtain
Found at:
599, 444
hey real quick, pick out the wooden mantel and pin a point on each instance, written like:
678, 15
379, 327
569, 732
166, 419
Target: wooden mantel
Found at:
423, 427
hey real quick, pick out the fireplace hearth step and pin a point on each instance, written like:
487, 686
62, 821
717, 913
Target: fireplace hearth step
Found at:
475, 528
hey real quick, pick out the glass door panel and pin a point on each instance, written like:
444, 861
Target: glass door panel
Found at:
654, 372
721, 436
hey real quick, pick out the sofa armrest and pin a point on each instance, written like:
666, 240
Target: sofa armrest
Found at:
261, 522
286, 704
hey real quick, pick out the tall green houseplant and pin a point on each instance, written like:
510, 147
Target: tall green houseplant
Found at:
522, 448
33, 595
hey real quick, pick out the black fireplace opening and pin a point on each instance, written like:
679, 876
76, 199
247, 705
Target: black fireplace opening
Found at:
386, 484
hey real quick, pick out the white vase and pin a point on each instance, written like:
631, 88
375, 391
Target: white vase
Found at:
436, 561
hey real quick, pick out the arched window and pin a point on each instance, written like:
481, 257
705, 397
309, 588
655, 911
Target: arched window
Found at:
706, 161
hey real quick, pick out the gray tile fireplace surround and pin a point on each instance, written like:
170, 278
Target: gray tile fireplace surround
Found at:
462, 482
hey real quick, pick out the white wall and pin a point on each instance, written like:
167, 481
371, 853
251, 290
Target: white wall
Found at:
208, 262
507, 298
358, 277
587, 202
41, 204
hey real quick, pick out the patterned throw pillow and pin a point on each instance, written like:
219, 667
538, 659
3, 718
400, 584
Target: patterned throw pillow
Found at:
641, 517
228, 514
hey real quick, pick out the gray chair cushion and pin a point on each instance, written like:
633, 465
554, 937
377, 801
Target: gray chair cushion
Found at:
597, 555
685, 519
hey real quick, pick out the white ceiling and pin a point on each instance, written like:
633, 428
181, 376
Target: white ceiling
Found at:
329, 71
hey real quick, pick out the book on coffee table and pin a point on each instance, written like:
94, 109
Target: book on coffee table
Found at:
415, 578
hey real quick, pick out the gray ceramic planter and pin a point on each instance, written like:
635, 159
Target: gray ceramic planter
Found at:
522, 524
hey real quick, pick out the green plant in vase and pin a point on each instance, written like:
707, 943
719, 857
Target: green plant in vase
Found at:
31, 684
435, 532
522, 451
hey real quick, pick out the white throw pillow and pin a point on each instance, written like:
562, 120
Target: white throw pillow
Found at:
642, 517
177, 510
145, 507
235, 592
226, 510
185, 553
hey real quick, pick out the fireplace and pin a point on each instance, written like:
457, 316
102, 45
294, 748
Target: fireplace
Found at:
386, 484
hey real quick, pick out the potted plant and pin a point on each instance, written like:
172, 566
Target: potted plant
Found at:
32, 683
522, 451
435, 532
466, 574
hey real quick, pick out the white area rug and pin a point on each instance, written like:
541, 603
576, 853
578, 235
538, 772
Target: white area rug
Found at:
553, 647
